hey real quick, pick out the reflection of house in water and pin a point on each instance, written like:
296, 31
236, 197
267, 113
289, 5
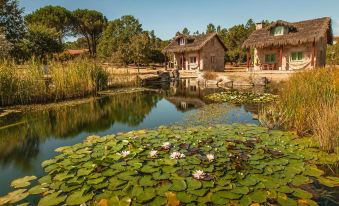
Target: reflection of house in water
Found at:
186, 94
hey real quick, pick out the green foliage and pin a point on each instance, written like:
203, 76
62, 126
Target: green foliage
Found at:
251, 165
116, 39
11, 20
332, 54
241, 97
5, 45
234, 38
41, 42
55, 17
210, 28
141, 47
89, 24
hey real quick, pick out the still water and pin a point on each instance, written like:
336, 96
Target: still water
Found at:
29, 138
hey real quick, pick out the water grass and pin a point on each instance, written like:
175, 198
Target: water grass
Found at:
32, 83
308, 104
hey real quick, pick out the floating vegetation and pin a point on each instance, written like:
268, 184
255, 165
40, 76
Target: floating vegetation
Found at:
239, 97
224, 164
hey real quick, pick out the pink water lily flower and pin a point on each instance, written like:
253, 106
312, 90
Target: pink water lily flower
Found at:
199, 174
177, 155
166, 145
210, 157
153, 153
125, 153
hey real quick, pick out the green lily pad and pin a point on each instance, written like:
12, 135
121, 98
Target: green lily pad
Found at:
22, 182
79, 197
193, 184
178, 185
52, 199
302, 194
258, 196
14, 197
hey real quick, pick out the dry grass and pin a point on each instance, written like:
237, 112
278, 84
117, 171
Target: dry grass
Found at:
210, 75
29, 83
308, 104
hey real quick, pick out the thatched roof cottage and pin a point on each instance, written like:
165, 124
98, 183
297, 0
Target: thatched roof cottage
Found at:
202, 52
290, 46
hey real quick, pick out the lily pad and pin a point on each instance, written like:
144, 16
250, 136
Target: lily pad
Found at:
22, 182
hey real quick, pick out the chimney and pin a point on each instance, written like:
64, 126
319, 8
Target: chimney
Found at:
258, 26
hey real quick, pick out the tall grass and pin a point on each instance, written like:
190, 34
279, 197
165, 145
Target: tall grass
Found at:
29, 83
308, 104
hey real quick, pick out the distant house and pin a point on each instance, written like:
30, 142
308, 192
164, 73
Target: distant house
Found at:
290, 46
202, 52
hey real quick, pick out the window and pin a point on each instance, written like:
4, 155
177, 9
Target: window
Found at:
277, 31
212, 59
182, 41
193, 60
297, 56
270, 58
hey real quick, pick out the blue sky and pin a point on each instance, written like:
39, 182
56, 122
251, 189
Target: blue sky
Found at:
167, 17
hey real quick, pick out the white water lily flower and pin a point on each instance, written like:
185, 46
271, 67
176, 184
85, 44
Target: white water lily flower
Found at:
199, 174
125, 153
210, 157
166, 145
177, 155
153, 153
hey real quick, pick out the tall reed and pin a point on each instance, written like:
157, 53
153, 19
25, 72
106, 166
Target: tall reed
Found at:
308, 104
32, 83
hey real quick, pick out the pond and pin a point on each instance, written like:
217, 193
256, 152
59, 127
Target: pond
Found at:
28, 138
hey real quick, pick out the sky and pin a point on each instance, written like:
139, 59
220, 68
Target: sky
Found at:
166, 17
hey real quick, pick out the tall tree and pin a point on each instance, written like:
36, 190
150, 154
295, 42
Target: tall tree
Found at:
210, 28
42, 41
141, 48
11, 20
56, 17
116, 39
89, 24
185, 31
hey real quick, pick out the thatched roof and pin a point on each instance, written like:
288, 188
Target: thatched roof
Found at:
195, 43
299, 33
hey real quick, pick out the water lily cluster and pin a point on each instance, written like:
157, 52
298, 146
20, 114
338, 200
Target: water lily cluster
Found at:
219, 165
239, 97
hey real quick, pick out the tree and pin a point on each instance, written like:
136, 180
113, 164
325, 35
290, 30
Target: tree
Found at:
185, 31
41, 41
115, 41
5, 45
11, 20
89, 24
56, 17
210, 28
141, 48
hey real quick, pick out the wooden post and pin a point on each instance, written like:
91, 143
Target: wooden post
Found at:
199, 59
281, 56
182, 61
313, 54
248, 59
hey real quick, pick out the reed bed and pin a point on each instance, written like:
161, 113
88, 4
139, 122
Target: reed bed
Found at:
308, 104
33, 83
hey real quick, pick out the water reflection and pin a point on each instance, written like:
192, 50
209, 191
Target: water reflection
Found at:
27, 139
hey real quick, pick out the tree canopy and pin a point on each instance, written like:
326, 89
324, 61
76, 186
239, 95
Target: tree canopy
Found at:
11, 20
117, 37
210, 28
89, 24
56, 17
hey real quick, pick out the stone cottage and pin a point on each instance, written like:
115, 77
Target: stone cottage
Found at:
290, 46
200, 52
